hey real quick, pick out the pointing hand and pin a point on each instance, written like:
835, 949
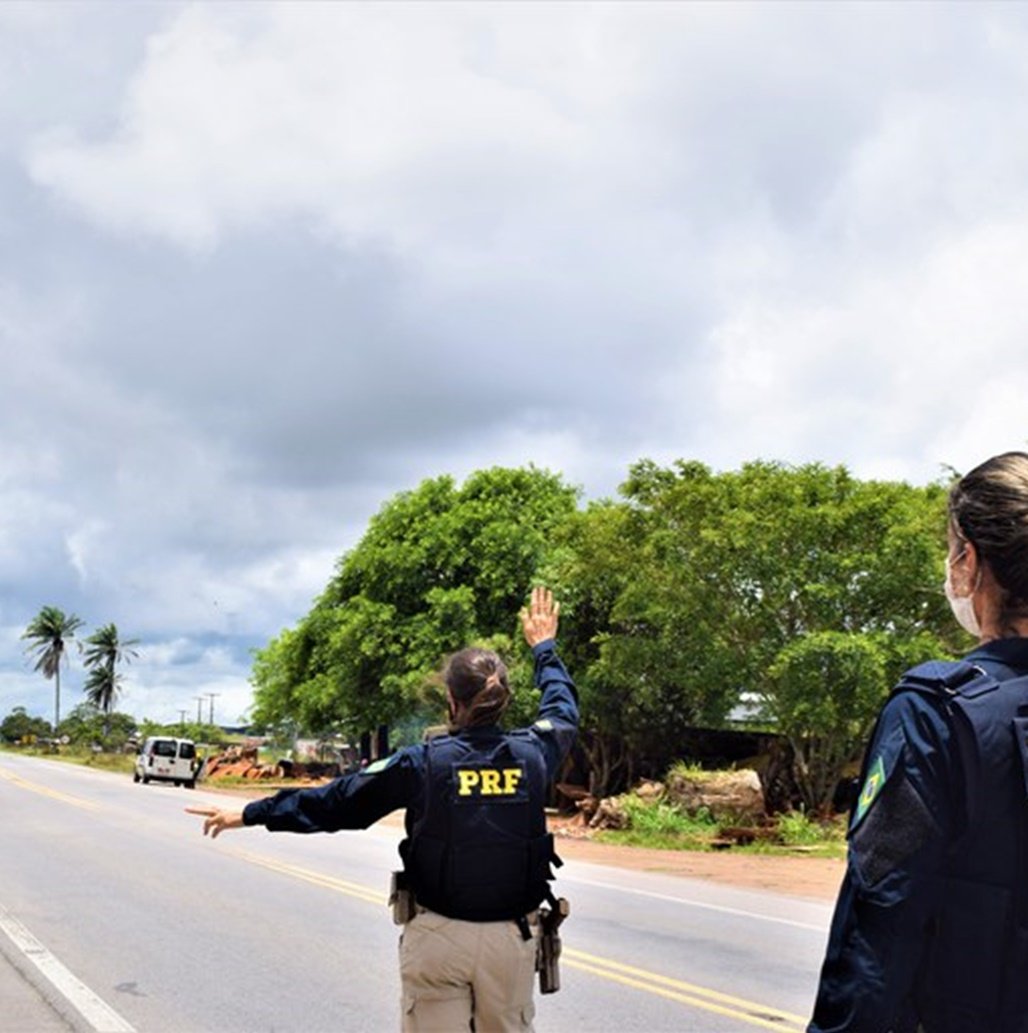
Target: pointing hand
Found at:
216, 820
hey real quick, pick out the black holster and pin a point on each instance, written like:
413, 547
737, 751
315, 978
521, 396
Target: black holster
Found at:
401, 898
547, 958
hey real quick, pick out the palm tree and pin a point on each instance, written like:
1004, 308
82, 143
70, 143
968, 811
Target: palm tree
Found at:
104, 651
49, 633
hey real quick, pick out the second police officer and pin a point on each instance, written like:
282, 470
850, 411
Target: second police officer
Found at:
477, 856
930, 931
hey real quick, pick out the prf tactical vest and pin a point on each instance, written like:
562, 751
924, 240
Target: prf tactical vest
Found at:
479, 849
974, 974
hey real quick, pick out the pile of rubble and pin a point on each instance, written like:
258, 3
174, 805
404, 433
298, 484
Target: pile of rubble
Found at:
735, 795
242, 762
735, 798
607, 812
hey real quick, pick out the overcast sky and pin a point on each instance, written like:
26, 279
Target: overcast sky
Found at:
262, 266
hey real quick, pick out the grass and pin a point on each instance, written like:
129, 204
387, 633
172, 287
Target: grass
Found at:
122, 762
691, 771
798, 830
799, 834
663, 827
660, 826
266, 785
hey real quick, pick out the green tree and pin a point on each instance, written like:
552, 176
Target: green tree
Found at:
439, 567
19, 725
198, 731
49, 633
596, 560
822, 688
104, 650
88, 725
743, 575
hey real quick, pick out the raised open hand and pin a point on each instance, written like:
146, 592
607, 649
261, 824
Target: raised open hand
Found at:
539, 618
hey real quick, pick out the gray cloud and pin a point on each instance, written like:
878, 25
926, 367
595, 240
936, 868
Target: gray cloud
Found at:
261, 266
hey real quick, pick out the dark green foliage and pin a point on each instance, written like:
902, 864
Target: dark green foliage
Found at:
795, 583
438, 567
19, 725
88, 725
198, 731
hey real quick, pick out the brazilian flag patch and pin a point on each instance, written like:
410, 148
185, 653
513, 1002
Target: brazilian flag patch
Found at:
872, 787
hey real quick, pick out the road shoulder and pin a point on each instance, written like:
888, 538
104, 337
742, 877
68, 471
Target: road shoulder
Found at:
815, 877
24, 1006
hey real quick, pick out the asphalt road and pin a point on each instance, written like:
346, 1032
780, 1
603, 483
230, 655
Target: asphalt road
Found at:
125, 918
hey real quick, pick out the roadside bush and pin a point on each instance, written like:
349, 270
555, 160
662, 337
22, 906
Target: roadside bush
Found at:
121, 762
796, 829
660, 825
656, 822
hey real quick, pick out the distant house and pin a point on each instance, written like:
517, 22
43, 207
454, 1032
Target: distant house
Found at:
750, 712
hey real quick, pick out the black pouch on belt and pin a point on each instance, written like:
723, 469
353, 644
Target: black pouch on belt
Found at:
401, 898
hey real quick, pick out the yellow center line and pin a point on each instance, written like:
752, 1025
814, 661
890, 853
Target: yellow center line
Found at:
351, 889
714, 1001
590, 962
696, 1002
54, 794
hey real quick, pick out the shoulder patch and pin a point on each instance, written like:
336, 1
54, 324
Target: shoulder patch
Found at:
871, 788
378, 765
544, 724
896, 828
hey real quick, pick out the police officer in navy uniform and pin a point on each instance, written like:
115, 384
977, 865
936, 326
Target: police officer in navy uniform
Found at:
477, 854
930, 931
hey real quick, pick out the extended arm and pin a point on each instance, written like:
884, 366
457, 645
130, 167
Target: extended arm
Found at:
350, 802
557, 723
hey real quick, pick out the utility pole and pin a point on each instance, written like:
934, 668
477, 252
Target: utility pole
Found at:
213, 695
199, 704
182, 719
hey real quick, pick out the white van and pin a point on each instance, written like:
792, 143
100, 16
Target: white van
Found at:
167, 760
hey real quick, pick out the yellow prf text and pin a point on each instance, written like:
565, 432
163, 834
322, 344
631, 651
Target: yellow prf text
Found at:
488, 781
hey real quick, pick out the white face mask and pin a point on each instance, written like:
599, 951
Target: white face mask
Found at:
961, 605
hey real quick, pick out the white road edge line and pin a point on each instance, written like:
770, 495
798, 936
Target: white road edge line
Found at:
695, 903
100, 1016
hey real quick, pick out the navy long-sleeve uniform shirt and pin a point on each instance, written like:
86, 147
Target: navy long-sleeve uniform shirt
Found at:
911, 809
359, 800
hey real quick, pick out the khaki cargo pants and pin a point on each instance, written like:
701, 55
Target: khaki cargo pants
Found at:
460, 976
